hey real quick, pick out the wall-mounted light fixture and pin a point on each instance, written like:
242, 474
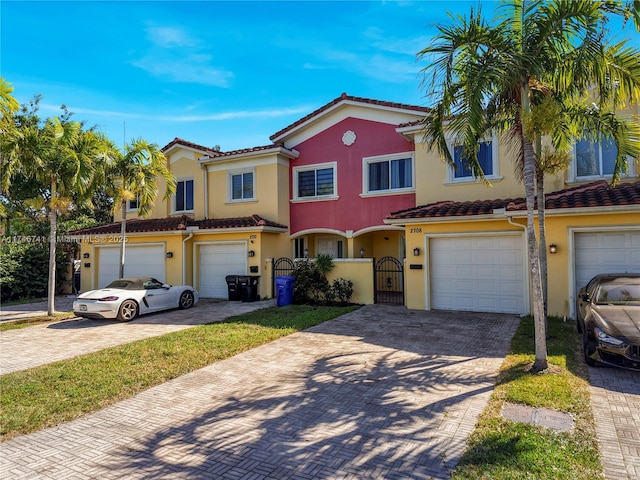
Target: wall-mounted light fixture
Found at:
416, 252
362, 252
85, 255
553, 249
306, 253
252, 253
169, 255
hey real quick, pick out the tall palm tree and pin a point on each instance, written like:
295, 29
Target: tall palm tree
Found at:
134, 175
64, 159
488, 78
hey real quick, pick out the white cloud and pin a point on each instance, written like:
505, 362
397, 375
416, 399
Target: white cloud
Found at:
167, 37
176, 56
268, 113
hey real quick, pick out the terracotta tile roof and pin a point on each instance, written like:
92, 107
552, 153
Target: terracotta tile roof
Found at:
345, 97
598, 194
238, 222
451, 209
170, 224
179, 141
249, 150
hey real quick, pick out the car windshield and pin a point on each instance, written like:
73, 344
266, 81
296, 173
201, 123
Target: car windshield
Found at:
125, 284
618, 293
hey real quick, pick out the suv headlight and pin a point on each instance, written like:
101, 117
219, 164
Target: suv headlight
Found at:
608, 340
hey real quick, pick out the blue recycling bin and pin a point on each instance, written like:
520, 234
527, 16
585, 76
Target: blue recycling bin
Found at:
284, 290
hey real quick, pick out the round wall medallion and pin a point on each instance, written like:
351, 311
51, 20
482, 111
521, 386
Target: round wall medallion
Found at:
349, 138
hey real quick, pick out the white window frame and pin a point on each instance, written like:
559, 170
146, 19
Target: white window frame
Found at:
366, 161
233, 173
316, 166
495, 159
573, 170
184, 179
133, 209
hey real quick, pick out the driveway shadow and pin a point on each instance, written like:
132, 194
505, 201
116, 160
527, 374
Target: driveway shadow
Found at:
390, 403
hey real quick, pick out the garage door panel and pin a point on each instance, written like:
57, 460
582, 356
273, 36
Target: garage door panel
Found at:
140, 261
478, 273
605, 252
217, 260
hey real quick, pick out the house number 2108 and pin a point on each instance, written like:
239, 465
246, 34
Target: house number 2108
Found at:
416, 230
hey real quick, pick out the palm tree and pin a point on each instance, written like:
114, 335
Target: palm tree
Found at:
488, 78
63, 160
134, 176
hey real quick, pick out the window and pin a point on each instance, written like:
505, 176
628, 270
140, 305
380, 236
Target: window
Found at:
241, 185
485, 157
383, 174
184, 196
314, 182
133, 204
299, 248
595, 159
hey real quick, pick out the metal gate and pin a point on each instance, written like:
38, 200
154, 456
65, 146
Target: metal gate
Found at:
281, 267
389, 281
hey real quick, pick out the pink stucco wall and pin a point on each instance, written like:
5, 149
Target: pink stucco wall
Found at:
350, 211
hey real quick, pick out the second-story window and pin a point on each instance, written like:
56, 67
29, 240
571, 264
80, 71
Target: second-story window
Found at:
133, 204
461, 169
388, 173
315, 181
241, 185
595, 159
184, 196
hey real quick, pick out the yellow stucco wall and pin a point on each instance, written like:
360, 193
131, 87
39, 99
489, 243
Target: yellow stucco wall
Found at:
271, 189
560, 230
360, 272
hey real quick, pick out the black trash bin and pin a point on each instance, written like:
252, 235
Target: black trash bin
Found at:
233, 288
248, 288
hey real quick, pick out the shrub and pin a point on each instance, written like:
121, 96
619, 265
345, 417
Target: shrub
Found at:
341, 291
312, 286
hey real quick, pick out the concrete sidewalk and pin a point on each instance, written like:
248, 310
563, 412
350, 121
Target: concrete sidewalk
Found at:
381, 392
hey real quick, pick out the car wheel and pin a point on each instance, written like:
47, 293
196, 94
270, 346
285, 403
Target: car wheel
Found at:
128, 311
588, 351
186, 300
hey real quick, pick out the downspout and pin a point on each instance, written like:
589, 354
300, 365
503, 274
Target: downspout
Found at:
184, 254
524, 229
206, 191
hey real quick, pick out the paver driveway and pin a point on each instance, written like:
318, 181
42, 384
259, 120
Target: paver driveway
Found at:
615, 400
381, 392
41, 344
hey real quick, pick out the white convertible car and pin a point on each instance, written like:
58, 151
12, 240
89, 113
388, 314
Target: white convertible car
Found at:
127, 298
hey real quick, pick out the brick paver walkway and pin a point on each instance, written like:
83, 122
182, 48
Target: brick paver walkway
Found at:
615, 399
382, 392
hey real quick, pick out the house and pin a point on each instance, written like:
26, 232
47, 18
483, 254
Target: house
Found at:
354, 180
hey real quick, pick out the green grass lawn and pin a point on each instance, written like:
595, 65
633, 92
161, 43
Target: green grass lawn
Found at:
500, 449
31, 321
58, 392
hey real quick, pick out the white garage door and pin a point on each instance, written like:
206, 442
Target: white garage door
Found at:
140, 260
605, 252
217, 260
478, 273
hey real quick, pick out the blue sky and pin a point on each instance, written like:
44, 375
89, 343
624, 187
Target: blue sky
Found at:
228, 73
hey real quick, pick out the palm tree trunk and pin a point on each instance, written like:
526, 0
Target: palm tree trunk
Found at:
540, 362
542, 249
51, 287
123, 232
